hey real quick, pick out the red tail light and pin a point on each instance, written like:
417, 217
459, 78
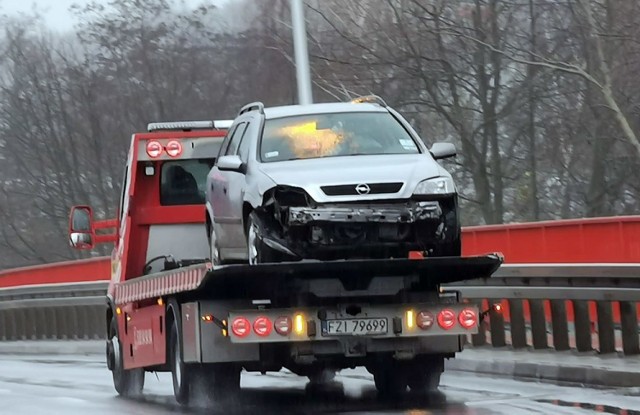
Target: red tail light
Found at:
174, 148
262, 326
425, 320
447, 319
283, 326
154, 149
468, 318
241, 327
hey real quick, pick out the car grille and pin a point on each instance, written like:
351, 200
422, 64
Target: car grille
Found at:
350, 189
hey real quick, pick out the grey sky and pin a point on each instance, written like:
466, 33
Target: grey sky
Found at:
56, 12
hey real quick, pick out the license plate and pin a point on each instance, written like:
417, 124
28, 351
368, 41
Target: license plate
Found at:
355, 327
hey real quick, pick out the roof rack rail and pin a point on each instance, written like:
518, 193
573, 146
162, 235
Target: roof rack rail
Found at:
259, 106
371, 99
189, 125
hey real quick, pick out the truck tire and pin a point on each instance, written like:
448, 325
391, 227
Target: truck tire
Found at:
258, 251
424, 374
390, 380
181, 373
427, 380
128, 383
203, 384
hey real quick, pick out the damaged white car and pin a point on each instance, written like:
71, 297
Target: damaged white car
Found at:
329, 181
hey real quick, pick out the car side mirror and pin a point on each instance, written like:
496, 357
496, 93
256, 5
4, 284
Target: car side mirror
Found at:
443, 150
81, 231
231, 163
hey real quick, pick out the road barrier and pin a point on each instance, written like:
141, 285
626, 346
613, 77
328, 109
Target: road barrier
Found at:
591, 307
72, 311
584, 307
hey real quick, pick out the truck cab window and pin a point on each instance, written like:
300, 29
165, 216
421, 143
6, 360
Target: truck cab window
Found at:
183, 182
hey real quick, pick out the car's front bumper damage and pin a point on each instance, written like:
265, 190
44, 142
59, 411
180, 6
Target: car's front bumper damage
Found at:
409, 212
301, 228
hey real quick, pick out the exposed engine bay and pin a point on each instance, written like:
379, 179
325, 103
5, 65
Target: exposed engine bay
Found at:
294, 224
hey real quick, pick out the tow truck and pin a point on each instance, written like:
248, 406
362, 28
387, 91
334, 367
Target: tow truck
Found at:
168, 309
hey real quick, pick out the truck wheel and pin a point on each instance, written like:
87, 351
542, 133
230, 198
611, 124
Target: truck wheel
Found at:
221, 381
258, 252
427, 380
180, 372
424, 375
128, 383
390, 380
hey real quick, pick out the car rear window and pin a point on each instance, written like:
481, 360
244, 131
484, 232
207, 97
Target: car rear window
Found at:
333, 135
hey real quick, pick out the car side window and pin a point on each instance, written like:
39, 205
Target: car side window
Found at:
245, 142
235, 139
227, 140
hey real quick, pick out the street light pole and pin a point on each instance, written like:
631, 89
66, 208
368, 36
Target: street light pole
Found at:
303, 72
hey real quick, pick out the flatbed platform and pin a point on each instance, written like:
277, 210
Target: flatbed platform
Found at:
354, 276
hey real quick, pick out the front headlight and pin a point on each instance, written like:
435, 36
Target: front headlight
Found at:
437, 186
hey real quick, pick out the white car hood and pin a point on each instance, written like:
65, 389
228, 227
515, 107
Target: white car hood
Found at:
312, 174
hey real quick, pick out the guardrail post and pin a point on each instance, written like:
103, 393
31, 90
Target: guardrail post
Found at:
51, 323
41, 323
20, 324
606, 332
559, 325
496, 322
518, 329
582, 325
629, 326
538, 324
97, 327
30, 330
4, 325
12, 325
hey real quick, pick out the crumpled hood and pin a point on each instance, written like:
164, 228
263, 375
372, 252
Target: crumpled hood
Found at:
311, 174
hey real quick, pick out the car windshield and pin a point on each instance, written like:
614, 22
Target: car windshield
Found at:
336, 134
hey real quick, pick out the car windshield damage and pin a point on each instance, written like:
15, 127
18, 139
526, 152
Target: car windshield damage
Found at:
331, 135
183, 182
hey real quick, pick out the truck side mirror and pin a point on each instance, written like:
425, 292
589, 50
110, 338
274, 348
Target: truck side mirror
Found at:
81, 231
442, 150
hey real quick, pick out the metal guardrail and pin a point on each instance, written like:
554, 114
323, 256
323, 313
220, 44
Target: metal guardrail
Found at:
53, 311
559, 306
585, 307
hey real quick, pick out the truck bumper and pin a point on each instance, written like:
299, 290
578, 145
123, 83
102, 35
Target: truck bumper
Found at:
318, 333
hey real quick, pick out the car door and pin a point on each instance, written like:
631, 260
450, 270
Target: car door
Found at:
219, 199
234, 193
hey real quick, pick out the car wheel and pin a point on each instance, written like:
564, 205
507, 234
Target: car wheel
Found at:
258, 252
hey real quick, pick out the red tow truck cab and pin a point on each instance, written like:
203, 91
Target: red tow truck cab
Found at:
168, 310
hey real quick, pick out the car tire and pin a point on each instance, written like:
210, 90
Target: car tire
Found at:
257, 251
127, 382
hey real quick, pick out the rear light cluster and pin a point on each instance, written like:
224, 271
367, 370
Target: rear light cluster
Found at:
447, 319
262, 326
155, 149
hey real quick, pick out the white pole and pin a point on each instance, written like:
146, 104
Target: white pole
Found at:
303, 72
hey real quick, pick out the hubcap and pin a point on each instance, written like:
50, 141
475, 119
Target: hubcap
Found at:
252, 242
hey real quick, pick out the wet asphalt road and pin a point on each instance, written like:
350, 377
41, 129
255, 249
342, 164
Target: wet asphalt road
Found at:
70, 385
